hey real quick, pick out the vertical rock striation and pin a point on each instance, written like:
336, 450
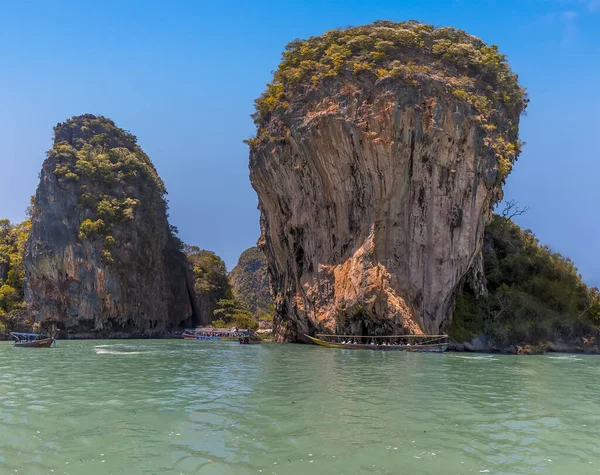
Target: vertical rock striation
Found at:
380, 152
101, 259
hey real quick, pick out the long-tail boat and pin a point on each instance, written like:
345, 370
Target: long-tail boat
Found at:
412, 343
250, 339
212, 334
32, 340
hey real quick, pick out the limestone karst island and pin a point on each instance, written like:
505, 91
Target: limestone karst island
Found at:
385, 253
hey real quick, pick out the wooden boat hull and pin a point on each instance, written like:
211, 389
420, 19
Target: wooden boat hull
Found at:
44, 343
248, 341
431, 348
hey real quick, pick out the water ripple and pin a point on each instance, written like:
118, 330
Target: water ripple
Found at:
191, 407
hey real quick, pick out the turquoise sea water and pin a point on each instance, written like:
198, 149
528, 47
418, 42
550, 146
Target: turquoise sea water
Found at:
154, 407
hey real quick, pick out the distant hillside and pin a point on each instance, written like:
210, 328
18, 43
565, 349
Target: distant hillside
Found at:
210, 281
250, 282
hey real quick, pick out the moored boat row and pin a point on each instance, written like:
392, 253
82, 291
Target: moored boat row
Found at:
411, 343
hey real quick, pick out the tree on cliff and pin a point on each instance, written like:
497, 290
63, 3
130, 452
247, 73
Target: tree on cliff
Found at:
250, 282
535, 295
12, 247
232, 312
210, 280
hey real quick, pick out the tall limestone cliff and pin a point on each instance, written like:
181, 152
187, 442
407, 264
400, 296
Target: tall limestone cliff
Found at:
101, 259
379, 154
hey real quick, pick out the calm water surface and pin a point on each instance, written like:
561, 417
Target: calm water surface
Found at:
106, 407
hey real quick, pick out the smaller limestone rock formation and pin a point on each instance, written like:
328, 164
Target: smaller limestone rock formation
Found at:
210, 281
101, 259
250, 282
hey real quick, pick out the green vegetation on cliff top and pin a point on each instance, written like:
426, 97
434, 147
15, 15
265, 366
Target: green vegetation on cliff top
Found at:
469, 69
110, 171
535, 295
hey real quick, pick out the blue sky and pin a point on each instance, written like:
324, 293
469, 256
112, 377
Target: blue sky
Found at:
182, 76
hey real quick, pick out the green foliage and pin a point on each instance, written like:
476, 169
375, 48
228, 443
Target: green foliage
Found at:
245, 321
109, 157
107, 257
266, 318
110, 173
211, 284
177, 242
250, 282
8, 296
100, 140
89, 229
113, 210
230, 309
209, 271
61, 171
475, 72
220, 324
87, 200
466, 320
108, 208
535, 295
12, 248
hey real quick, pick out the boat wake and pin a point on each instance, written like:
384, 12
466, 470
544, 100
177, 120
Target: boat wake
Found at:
478, 357
104, 350
566, 357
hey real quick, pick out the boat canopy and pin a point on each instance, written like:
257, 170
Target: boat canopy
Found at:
215, 330
28, 335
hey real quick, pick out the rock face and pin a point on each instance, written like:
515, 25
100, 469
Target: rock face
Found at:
379, 154
101, 259
250, 282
